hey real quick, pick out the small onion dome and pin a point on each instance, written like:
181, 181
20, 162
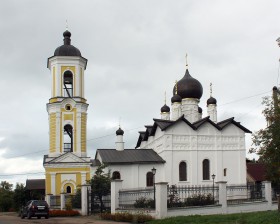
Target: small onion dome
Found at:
200, 110
165, 109
211, 100
176, 99
189, 87
274, 88
67, 49
119, 132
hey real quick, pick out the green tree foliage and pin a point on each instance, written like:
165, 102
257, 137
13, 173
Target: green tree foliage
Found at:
101, 184
6, 196
20, 196
266, 142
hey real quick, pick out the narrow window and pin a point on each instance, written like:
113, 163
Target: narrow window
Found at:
116, 175
68, 107
68, 84
68, 138
68, 190
225, 172
206, 169
149, 179
182, 171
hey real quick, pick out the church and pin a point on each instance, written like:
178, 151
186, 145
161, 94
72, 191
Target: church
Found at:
182, 147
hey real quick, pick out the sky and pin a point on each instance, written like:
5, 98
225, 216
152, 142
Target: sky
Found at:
135, 50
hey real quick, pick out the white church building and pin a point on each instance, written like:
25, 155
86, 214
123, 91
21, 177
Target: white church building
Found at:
184, 147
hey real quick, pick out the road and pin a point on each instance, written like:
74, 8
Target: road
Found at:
12, 218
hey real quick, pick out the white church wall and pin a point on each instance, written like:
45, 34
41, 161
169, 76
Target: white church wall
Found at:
134, 175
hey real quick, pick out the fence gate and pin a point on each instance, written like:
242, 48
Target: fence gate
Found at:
94, 204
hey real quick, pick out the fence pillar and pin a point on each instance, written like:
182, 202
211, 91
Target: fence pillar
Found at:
62, 201
267, 193
84, 197
222, 193
48, 199
116, 185
161, 200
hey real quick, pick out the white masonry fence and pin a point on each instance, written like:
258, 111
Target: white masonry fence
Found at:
192, 200
181, 200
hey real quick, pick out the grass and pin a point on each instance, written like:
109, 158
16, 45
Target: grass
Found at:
267, 217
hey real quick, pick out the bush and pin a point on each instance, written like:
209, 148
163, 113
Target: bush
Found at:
199, 200
63, 213
143, 202
68, 205
127, 217
195, 200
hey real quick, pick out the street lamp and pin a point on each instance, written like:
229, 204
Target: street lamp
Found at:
213, 177
154, 170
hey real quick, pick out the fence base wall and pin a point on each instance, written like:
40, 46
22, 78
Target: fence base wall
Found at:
211, 210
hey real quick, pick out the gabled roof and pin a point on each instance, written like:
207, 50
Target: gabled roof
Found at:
35, 184
224, 123
165, 124
162, 124
256, 171
129, 156
202, 121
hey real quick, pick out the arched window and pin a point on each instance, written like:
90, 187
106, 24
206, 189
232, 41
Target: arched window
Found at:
182, 171
68, 84
68, 138
206, 169
68, 190
149, 179
116, 175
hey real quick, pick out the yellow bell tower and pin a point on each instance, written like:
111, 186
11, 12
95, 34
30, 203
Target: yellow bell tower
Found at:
67, 165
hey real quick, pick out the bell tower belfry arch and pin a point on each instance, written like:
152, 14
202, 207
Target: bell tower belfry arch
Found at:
67, 159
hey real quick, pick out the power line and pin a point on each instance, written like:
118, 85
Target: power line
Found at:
104, 136
244, 98
20, 174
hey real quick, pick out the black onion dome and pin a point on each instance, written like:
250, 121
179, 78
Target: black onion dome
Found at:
274, 88
67, 49
211, 100
119, 132
176, 99
200, 110
165, 109
189, 87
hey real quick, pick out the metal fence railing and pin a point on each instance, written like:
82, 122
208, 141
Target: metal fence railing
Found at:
274, 192
238, 194
55, 201
192, 195
136, 198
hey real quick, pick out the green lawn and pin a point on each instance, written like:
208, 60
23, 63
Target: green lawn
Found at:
268, 217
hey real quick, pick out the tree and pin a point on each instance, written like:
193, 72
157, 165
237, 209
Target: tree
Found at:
266, 142
6, 186
100, 184
6, 196
20, 196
